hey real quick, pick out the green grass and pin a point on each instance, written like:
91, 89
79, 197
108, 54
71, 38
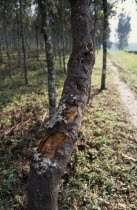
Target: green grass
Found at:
128, 71
102, 172
37, 76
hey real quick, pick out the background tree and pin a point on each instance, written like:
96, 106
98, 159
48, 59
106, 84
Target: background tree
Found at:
46, 9
123, 30
105, 25
23, 40
6, 16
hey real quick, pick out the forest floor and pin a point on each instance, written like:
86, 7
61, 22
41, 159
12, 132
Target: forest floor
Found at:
102, 172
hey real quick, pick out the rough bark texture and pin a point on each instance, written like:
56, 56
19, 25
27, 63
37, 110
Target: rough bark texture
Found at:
45, 8
105, 25
54, 151
23, 45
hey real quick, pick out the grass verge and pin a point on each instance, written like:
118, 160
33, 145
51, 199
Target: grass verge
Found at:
127, 67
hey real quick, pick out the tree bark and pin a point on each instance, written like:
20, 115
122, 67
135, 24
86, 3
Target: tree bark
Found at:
7, 40
95, 24
105, 25
44, 8
37, 41
1, 58
18, 35
58, 45
50, 159
23, 45
63, 41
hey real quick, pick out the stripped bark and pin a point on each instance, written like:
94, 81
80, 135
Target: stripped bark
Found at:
105, 25
50, 159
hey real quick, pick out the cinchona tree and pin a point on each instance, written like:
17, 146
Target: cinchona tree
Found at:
50, 159
105, 25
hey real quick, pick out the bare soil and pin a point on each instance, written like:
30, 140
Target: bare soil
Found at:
126, 95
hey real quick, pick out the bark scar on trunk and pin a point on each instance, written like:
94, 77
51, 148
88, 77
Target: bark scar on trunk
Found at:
72, 113
50, 144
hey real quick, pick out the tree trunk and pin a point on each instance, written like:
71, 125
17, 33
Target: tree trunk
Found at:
50, 159
58, 43
95, 25
37, 42
105, 25
7, 41
1, 58
63, 41
59, 51
44, 11
8, 50
23, 45
18, 35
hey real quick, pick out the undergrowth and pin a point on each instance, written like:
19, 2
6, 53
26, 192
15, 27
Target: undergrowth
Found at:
102, 172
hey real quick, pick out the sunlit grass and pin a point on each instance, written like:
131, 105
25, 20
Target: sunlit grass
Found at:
128, 71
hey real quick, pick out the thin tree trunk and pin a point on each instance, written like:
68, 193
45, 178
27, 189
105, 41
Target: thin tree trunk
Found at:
95, 25
59, 53
63, 41
7, 41
105, 25
8, 49
18, 35
1, 58
23, 45
50, 159
44, 11
37, 42
55, 44
58, 44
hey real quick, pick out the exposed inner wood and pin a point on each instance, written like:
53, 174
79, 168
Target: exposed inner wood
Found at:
70, 114
51, 143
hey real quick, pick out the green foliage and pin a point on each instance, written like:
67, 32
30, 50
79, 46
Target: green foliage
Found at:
123, 30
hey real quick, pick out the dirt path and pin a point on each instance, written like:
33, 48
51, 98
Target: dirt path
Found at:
126, 95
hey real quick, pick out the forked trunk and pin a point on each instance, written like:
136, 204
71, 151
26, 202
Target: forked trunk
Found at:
50, 159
